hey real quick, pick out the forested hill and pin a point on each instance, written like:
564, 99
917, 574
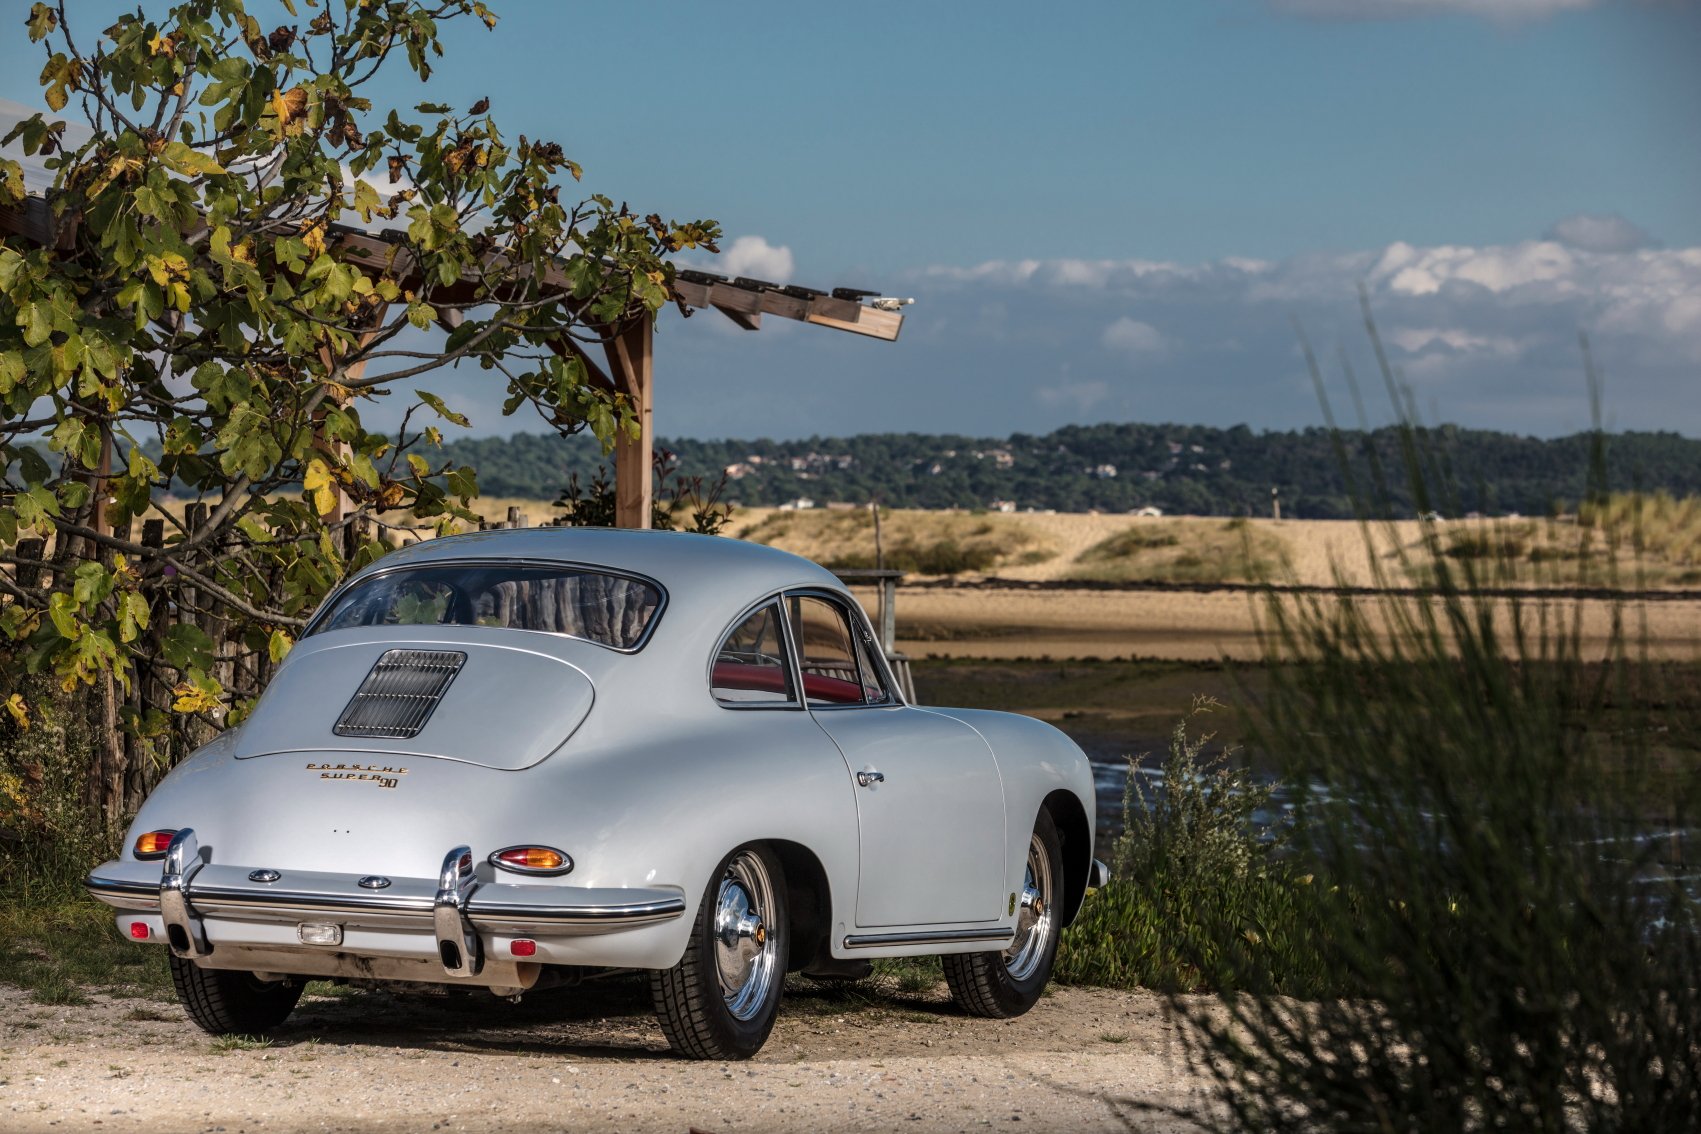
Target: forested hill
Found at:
1114, 468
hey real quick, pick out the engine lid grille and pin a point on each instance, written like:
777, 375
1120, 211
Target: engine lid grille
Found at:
399, 694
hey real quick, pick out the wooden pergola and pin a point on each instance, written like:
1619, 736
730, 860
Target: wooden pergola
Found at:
628, 346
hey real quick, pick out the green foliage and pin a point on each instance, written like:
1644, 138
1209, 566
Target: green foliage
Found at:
48, 838
1197, 877
206, 318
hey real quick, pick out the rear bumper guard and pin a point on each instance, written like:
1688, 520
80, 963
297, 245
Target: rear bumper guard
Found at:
455, 907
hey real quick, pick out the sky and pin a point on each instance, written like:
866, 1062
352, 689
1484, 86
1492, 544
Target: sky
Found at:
1129, 211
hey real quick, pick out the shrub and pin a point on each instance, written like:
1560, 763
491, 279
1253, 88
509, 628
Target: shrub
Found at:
1197, 872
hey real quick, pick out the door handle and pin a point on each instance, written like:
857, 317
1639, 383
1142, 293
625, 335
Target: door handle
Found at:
864, 779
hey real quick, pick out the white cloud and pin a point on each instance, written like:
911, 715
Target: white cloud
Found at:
1131, 336
754, 257
1079, 397
1599, 232
1488, 331
1499, 11
1418, 340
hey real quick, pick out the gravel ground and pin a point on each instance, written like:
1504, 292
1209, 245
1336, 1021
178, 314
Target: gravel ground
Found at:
861, 1057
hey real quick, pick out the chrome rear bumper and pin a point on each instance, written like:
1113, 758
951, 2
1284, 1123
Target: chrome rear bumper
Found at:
456, 907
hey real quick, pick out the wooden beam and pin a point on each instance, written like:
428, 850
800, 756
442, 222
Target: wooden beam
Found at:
749, 320
870, 321
568, 346
822, 310
631, 353
33, 221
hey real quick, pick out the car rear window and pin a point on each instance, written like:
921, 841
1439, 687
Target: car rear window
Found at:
611, 610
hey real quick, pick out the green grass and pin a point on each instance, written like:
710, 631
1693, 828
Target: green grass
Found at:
58, 953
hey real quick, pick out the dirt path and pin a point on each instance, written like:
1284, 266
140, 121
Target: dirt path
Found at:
592, 1059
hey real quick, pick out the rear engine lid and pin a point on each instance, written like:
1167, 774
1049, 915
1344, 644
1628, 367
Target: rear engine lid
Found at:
493, 705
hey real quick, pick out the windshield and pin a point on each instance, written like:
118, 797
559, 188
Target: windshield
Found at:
611, 610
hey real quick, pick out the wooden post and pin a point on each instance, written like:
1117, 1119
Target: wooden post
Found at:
889, 614
516, 518
631, 364
103, 474
150, 692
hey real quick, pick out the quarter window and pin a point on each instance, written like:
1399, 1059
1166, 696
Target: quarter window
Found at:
750, 667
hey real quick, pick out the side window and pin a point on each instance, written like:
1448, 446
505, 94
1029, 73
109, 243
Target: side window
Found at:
835, 668
750, 667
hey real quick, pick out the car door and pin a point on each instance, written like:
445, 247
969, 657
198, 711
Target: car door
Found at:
930, 803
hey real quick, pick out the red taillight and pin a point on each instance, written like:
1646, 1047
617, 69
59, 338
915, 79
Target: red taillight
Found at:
154, 844
532, 860
523, 948
139, 930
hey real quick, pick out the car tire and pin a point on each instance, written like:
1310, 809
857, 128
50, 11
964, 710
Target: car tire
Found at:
230, 1002
1007, 983
720, 1000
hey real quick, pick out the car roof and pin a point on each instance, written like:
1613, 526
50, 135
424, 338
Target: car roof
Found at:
709, 573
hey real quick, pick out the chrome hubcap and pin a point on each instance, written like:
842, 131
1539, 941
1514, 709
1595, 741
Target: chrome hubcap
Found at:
745, 949
1033, 916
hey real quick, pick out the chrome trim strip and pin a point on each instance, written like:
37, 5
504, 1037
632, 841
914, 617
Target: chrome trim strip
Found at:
926, 937
122, 892
407, 911
228, 900
182, 862
522, 919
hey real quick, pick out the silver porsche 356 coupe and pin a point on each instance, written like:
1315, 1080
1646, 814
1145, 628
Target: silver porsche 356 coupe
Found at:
509, 759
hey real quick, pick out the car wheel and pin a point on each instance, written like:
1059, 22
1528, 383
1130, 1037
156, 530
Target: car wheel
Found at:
720, 1000
229, 1002
1008, 983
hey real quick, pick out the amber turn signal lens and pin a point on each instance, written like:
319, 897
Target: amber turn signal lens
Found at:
154, 844
532, 860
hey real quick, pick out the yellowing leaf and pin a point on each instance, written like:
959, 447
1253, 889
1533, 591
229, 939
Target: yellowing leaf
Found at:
19, 710
193, 699
317, 481
278, 646
289, 104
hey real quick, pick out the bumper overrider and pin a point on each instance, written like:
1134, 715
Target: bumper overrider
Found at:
455, 927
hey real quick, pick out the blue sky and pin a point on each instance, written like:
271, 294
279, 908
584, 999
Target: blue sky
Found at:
1117, 211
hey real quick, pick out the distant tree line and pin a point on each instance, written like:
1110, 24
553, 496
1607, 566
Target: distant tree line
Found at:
1186, 469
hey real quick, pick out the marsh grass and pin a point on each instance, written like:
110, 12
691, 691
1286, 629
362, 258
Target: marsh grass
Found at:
1508, 948
1183, 551
924, 543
